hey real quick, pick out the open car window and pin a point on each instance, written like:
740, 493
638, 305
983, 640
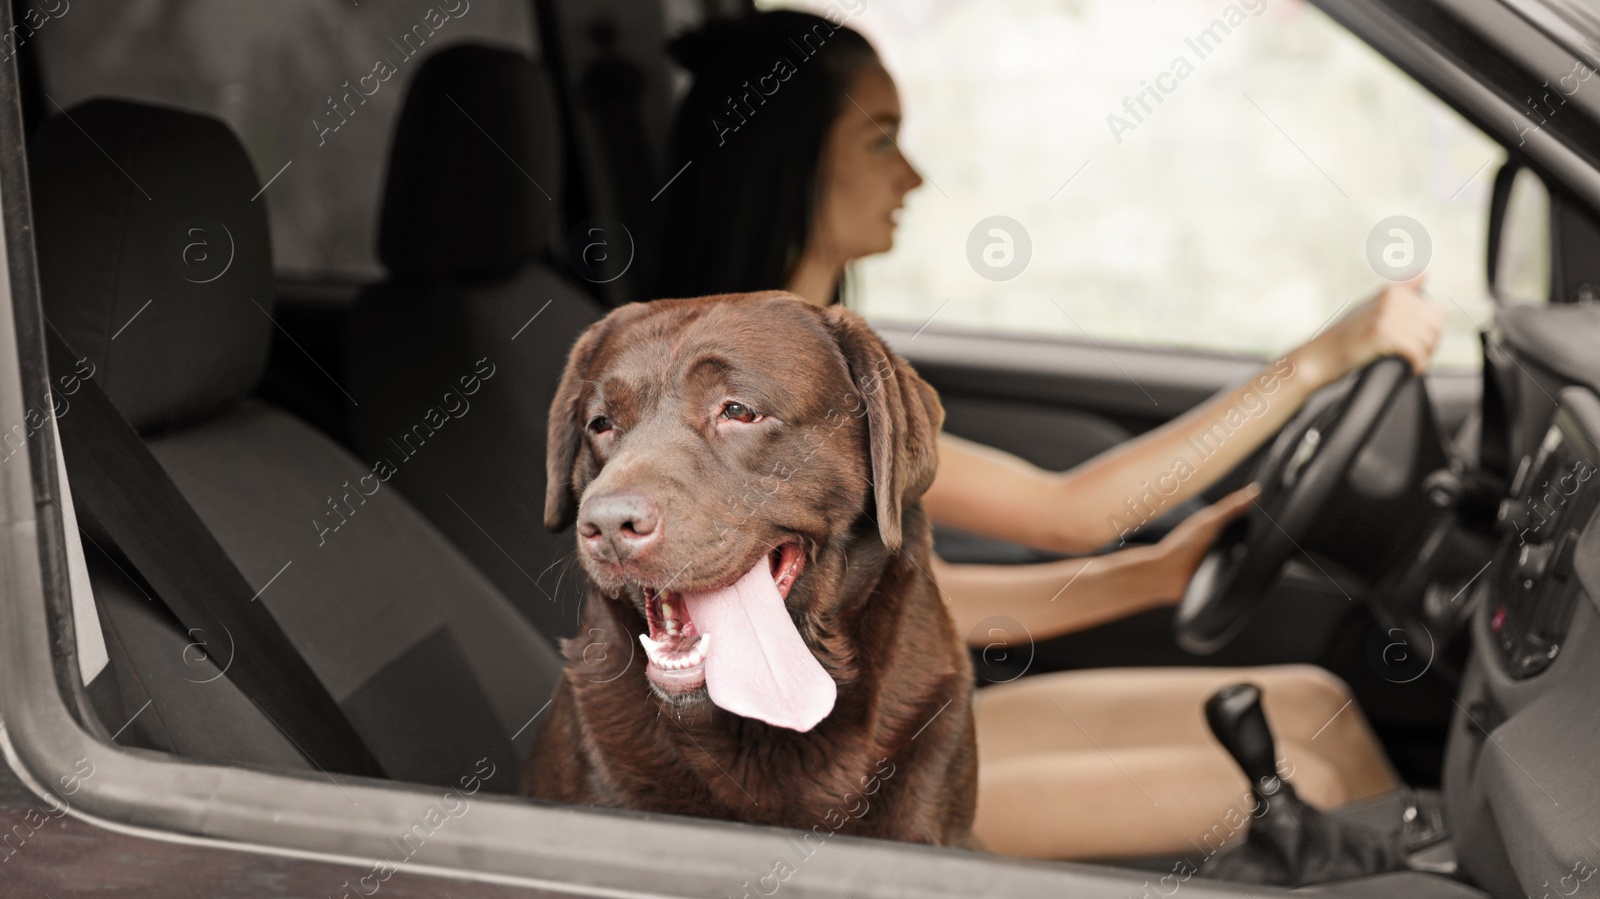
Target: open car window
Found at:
1221, 176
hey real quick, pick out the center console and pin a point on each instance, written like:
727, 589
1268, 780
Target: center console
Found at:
1521, 760
1554, 495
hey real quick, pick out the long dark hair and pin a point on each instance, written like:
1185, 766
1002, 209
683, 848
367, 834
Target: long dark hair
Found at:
767, 87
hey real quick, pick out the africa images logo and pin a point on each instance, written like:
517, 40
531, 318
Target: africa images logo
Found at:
601, 250
200, 249
1399, 248
998, 248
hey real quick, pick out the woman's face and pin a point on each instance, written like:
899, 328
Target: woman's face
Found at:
865, 178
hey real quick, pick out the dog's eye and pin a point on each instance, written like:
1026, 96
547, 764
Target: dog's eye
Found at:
599, 424
741, 413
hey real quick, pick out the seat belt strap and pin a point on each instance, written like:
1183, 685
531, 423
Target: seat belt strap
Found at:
122, 492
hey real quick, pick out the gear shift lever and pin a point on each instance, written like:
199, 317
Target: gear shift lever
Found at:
1234, 713
1289, 843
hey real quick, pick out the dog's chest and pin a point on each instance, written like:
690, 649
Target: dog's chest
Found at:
742, 772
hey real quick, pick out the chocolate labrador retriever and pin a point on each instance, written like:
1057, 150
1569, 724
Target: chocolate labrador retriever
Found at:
762, 640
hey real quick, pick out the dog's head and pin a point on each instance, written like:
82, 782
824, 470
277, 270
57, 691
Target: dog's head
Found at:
718, 455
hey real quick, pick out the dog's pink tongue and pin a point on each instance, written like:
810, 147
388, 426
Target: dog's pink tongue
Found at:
758, 666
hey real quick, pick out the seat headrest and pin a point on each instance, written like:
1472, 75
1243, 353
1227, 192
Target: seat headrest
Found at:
153, 260
475, 172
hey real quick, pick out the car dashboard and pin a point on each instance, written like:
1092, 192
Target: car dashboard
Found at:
1521, 766
1546, 520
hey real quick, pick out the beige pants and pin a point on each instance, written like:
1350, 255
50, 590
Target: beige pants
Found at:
1120, 762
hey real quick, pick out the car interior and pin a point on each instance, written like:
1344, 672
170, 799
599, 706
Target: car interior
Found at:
365, 455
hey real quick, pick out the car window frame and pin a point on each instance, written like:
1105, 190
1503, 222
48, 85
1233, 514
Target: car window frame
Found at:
46, 721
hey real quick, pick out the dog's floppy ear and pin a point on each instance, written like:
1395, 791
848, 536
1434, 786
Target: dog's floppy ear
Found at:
566, 430
566, 426
903, 420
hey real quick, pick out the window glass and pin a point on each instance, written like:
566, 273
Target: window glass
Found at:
1196, 174
283, 75
1522, 272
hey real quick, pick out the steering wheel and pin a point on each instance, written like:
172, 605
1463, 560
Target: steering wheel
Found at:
1299, 474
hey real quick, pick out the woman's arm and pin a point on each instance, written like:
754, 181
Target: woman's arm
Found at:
986, 491
1056, 598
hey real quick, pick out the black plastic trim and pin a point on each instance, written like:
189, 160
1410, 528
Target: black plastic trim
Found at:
1441, 44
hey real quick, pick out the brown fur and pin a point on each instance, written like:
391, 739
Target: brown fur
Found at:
896, 757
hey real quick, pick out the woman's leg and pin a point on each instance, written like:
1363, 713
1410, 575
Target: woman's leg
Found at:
1141, 800
1163, 706
1061, 735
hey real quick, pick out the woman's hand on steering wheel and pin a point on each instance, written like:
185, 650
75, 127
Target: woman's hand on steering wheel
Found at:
1397, 321
1179, 553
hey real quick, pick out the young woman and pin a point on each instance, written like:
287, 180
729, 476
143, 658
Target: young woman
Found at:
793, 172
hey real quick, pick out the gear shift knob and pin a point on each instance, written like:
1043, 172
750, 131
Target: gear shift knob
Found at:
1289, 842
1234, 713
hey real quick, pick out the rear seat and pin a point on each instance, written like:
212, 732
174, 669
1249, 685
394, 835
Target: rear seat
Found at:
472, 203
155, 263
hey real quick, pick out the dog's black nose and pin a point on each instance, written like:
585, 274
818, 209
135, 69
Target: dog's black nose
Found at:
618, 526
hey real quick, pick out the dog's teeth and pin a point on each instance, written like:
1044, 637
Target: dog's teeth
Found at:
669, 659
